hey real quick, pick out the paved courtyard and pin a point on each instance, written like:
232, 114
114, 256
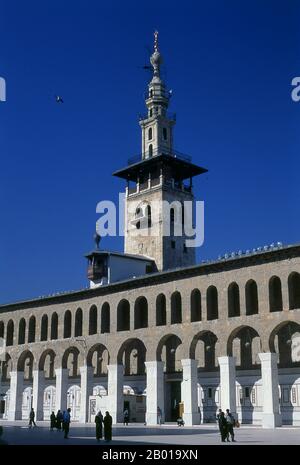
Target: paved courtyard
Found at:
18, 433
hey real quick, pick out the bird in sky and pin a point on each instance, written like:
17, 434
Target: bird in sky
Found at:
59, 99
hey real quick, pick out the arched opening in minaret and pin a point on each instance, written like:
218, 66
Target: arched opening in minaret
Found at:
294, 290
141, 313
148, 215
22, 329
78, 322
165, 134
233, 294
31, 329
105, 318
195, 305
150, 134
93, 320
123, 316
251, 297
161, 315
176, 308
275, 294
150, 151
212, 303
10, 333
67, 324
54, 326
44, 328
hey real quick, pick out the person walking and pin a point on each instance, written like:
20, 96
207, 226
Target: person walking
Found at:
59, 419
66, 423
99, 422
159, 415
230, 425
52, 421
107, 426
31, 418
222, 425
126, 417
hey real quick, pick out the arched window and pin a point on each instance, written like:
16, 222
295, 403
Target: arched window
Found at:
172, 215
31, 329
54, 326
10, 333
165, 134
67, 324
294, 291
1, 329
123, 316
150, 112
141, 313
212, 303
93, 320
233, 300
176, 308
161, 316
44, 328
105, 318
78, 322
22, 329
251, 298
148, 215
195, 305
150, 150
275, 294
150, 134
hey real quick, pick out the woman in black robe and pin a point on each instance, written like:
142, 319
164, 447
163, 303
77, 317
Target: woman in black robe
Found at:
99, 421
107, 426
52, 421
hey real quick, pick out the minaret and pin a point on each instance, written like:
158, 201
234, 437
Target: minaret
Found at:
156, 188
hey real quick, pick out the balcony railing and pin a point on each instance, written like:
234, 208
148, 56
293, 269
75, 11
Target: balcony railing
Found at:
156, 152
168, 115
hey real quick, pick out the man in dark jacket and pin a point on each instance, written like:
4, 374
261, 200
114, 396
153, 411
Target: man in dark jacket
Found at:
31, 418
66, 422
107, 426
222, 426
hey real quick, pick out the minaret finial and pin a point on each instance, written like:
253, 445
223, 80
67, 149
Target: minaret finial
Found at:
156, 41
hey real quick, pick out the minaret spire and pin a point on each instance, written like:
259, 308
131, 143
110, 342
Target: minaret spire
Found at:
156, 41
156, 59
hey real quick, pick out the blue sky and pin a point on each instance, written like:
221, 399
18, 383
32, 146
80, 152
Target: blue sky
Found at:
230, 65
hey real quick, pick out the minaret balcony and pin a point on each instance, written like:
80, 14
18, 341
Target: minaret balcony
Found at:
160, 151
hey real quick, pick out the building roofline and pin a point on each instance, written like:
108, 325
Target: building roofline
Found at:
211, 267
120, 254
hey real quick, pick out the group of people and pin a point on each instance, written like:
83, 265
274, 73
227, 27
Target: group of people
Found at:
61, 421
226, 423
103, 423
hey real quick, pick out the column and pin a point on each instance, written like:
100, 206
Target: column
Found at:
86, 385
38, 393
16, 395
62, 375
227, 384
115, 392
155, 391
269, 372
189, 392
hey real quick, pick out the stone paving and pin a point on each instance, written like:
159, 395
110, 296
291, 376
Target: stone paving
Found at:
18, 433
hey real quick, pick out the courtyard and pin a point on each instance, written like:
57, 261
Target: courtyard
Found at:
18, 433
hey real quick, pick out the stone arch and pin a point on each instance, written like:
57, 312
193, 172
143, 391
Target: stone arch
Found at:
141, 313
78, 322
203, 349
196, 305
22, 331
98, 358
10, 333
44, 328
161, 313
212, 303
233, 295
123, 315
54, 326
1, 329
67, 324
285, 340
26, 363
31, 329
176, 308
93, 317
275, 294
244, 343
7, 367
294, 290
166, 352
251, 296
47, 363
70, 361
132, 354
105, 318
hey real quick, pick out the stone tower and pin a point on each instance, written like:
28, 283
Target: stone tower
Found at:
155, 216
